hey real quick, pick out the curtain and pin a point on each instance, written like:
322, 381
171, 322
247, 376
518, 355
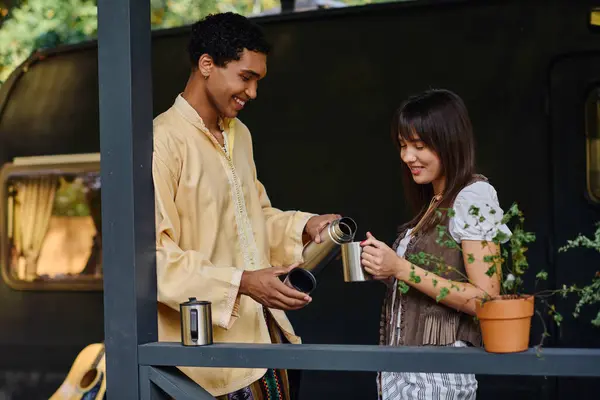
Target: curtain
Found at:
33, 209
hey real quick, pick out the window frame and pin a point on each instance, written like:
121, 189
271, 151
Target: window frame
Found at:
593, 94
32, 166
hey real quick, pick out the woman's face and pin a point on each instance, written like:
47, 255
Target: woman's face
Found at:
424, 164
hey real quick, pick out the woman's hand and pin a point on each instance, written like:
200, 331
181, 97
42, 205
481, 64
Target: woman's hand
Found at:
379, 259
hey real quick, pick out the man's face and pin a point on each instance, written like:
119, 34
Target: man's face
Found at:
230, 87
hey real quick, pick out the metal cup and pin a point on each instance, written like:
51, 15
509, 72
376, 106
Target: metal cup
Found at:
351, 260
196, 322
301, 280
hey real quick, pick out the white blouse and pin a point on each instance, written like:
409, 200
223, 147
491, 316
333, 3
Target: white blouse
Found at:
464, 226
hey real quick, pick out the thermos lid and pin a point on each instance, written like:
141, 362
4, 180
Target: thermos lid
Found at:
193, 302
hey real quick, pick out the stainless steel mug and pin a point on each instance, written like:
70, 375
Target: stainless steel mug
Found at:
196, 322
318, 255
351, 260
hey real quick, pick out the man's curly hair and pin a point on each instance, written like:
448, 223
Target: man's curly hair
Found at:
224, 37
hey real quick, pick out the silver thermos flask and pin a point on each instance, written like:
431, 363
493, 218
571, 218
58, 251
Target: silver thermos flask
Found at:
196, 322
317, 255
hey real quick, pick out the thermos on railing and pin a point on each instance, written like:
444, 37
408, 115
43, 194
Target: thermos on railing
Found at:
317, 255
196, 322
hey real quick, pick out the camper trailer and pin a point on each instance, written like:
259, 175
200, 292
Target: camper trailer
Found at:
529, 72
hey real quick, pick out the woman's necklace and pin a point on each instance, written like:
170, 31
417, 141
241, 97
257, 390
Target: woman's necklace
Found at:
432, 205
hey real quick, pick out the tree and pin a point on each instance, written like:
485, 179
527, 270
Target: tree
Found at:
28, 25
38, 24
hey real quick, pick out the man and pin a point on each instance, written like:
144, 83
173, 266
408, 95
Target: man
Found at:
218, 237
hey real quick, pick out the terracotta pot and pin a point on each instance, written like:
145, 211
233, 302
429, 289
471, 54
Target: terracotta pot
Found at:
505, 323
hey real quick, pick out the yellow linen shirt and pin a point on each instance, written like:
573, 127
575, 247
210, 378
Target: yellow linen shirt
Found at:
213, 221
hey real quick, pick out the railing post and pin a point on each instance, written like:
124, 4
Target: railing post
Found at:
148, 389
125, 90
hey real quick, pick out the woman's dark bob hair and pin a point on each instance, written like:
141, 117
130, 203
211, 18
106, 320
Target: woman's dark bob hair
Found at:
438, 118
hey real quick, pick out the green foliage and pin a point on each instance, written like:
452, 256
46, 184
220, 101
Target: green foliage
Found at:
38, 24
443, 293
414, 277
510, 263
403, 287
70, 199
41, 24
589, 294
32, 25
542, 275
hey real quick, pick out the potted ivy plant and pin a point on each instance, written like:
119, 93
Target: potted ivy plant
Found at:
505, 320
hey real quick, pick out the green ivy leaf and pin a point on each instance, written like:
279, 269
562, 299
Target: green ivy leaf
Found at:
500, 237
491, 271
443, 293
403, 287
543, 275
557, 318
414, 277
488, 258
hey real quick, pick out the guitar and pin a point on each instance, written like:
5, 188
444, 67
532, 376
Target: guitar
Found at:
87, 377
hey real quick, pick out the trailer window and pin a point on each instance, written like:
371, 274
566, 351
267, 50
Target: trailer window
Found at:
51, 220
308, 5
593, 144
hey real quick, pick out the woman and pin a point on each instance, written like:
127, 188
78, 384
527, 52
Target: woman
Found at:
434, 135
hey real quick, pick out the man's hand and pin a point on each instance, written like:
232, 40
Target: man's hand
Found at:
266, 288
315, 225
